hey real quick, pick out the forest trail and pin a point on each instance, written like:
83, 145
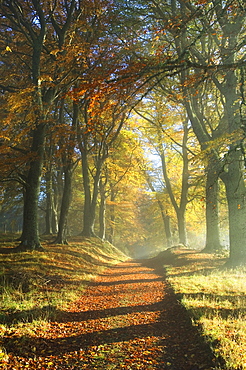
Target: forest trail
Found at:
128, 318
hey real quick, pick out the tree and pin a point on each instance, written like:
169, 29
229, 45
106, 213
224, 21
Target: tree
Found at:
207, 38
168, 134
231, 21
105, 104
36, 35
52, 186
69, 162
226, 49
95, 139
52, 48
123, 188
164, 213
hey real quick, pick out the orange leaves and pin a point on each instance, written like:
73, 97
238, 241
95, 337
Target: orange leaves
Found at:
202, 2
127, 319
193, 79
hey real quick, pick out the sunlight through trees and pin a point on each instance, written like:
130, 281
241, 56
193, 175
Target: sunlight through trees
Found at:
89, 89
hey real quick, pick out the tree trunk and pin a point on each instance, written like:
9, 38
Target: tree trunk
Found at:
65, 204
102, 211
165, 217
180, 210
96, 182
30, 235
212, 173
236, 193
91, 196
88, 222
23, 213
48, 211
112, 216
166, 223
233, 175
185, 187
181, 227
212, 210
68, 165
57, 198
54, 212
166, 220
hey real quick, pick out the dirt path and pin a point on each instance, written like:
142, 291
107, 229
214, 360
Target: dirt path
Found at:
128, 318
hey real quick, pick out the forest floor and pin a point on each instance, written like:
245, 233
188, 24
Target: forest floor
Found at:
88, 306
128, 318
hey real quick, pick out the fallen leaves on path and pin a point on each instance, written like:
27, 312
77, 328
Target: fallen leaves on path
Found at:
128, 318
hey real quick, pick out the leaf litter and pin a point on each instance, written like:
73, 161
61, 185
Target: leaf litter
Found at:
128, 318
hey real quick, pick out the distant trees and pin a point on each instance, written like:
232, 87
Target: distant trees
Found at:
166, 129
125, 186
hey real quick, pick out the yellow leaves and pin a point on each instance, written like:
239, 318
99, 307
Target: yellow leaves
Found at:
3, 355
21, 100
4, 137
55, 52
45, 78
20, 107
146, 352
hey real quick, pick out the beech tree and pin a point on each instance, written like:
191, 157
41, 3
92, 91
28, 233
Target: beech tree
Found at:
206, 38
167, 131
53, 186
162, 207
94, 141
104, 105
167, 57
124, 189
35, 35
69, 161
225, 48
47, 47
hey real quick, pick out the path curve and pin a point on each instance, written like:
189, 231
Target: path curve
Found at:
128, 318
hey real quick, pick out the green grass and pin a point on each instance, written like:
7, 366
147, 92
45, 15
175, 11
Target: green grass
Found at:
216, 301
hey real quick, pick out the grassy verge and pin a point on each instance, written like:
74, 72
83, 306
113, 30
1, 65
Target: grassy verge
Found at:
36, 287
216, 300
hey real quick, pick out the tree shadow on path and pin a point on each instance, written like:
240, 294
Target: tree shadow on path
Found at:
177, 344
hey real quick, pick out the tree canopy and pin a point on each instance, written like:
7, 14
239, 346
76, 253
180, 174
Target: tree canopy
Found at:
91, 89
